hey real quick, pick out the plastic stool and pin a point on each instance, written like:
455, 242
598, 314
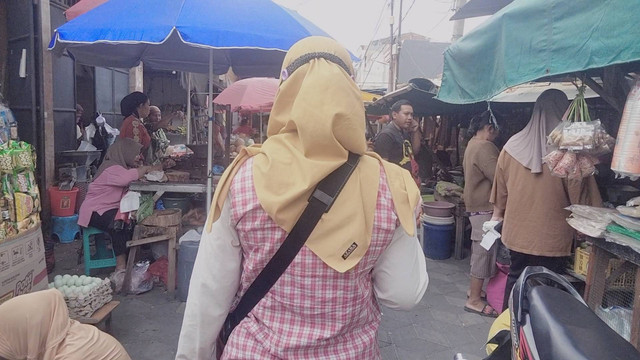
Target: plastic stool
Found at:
102, 258
65, 228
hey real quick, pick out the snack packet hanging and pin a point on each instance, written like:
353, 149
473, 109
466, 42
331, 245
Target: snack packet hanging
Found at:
6, 161
7, 195
21, 155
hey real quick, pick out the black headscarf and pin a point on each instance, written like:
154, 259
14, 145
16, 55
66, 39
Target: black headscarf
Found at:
130, 103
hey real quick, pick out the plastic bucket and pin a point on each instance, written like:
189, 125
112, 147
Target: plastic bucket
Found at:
186, 258
182, 203
435, 220
63, 202
437, 240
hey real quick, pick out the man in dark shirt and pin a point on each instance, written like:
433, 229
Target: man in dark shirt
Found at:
399, 140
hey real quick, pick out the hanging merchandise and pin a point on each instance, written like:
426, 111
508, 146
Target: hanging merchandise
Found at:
579, 142
8, 125
20, 202
626, 157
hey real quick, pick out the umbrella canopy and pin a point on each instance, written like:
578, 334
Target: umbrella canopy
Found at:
81, 7
251, 36
532, 39
250, 95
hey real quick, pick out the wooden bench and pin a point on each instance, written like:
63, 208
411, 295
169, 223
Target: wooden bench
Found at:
101, 315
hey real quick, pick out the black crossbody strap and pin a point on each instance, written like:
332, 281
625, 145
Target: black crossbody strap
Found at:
320, 202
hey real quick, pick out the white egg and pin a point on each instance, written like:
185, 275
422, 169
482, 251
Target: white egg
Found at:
51, 286
61, 291
86, 289
57, 277
79, 282
74, 277
87, 281
66, 278
82, 277
57, 282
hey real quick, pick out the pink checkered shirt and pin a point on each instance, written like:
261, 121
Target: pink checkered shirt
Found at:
313, 311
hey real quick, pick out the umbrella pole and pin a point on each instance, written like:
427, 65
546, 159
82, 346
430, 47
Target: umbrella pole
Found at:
261, 126
189, 108
210, 133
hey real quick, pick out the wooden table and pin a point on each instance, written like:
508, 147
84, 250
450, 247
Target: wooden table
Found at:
602, 252
160, 188
101, 315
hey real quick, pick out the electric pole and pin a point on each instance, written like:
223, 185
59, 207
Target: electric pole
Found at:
392, 83
458, 25
398, 47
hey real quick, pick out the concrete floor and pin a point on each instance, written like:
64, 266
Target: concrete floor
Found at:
148, 325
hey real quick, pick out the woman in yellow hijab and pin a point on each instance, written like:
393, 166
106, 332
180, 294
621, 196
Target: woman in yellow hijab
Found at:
364, 248
37, 326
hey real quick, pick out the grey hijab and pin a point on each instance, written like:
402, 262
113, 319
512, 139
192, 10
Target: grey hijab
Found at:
529, 146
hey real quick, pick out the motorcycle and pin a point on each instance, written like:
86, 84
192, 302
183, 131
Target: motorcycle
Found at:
550, 321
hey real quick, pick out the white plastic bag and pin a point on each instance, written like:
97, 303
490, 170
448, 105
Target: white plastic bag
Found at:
599, 214
141, 279
130, 202
85, 146
156, 176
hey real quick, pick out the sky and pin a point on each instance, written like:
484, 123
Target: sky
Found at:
357, 22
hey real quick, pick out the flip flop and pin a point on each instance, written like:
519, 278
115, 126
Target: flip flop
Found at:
482, 312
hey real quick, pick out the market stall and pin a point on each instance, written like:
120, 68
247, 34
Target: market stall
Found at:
22, 250
178, 36
249, 98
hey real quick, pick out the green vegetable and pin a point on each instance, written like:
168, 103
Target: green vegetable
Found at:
146, 207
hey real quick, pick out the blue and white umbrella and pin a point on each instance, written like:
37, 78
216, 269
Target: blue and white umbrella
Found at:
249, 36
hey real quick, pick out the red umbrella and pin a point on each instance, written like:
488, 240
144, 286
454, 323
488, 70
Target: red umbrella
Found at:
250, 95
82, 7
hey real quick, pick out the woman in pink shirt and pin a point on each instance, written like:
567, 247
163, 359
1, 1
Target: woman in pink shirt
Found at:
103, 198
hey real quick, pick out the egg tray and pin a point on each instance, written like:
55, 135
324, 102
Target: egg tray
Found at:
85, 305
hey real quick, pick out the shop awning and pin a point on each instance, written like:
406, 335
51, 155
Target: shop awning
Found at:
421, 94
532, 39
475, 8
368, 97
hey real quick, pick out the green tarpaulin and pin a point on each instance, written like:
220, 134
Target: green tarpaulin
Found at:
532, 39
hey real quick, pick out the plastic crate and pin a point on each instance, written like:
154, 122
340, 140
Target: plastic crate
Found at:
581, 261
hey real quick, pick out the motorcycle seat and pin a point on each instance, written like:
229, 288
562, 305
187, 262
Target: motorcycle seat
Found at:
564, 328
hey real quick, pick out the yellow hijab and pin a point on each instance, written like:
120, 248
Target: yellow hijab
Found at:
317, 118
37, 326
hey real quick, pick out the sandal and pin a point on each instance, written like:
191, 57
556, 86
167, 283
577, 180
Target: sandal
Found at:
492, 314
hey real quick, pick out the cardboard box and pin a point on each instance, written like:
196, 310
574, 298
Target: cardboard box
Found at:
22, 265
581, 264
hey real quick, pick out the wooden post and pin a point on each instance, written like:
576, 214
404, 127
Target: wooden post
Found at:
46, 111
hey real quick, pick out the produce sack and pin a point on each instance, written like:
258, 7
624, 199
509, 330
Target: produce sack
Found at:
626, 156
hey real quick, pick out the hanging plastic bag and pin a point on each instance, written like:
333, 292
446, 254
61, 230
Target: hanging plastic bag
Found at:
625, 162
141, 279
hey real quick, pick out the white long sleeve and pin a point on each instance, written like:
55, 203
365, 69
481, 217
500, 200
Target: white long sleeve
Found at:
214, 283
400, 276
